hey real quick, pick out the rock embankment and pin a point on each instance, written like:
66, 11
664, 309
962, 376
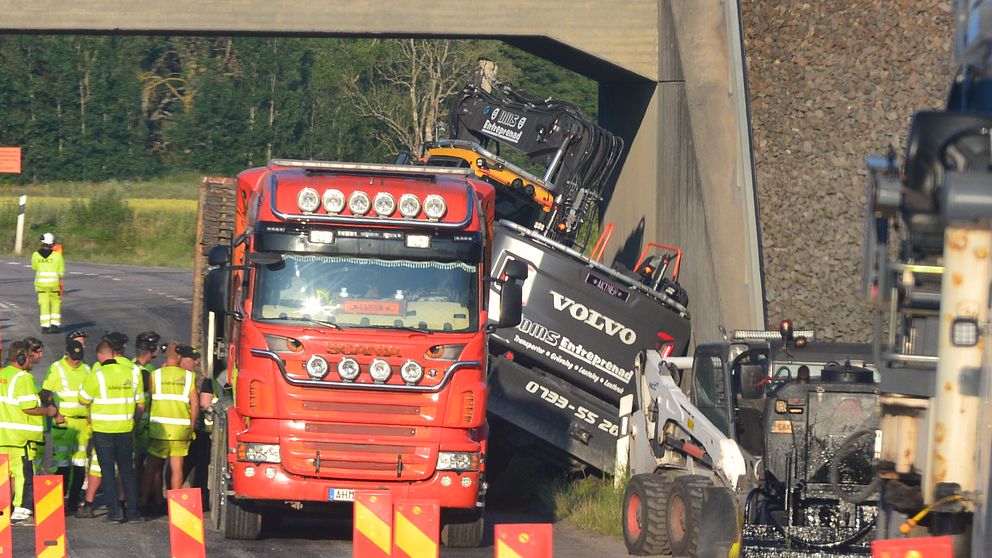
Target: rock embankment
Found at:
832, 81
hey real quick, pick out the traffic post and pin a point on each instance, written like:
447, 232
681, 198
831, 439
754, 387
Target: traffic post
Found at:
373, 530
6, 540
416, 529
186, 523
49, 516
19, 232
524, 540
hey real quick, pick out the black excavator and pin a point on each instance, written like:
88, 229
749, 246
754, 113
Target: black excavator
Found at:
577, 155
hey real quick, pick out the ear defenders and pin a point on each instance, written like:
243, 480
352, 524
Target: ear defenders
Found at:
19, 353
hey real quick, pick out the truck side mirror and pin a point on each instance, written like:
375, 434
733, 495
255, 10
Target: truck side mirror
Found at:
217, 289
511, 300
515, 269
219, 256
511, 297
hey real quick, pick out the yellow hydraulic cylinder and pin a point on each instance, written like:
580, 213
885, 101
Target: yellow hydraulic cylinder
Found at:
964, 298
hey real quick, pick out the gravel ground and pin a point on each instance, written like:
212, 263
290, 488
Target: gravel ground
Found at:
832, 81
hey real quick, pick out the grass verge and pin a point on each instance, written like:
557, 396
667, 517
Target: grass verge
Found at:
109, 224
591, 503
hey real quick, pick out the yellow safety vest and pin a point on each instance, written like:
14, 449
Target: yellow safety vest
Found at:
170, 415
17, 393
48, 271
112, 394
64, 381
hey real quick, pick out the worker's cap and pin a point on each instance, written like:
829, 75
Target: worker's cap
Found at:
48, 239
147, 340
117, 340
74, 349
74, 334
185, 351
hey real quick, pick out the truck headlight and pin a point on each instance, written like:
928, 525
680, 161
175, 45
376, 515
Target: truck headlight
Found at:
317, 367
333, 201
308, 200
259, 453
409, 206
380, 370
384, 204
411, 372
458, 461
348, 369
434, 206
359, 202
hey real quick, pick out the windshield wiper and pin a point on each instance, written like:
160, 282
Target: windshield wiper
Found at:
401, 328
318, 322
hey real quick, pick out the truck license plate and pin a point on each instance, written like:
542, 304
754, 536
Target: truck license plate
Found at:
321, 237
341, 494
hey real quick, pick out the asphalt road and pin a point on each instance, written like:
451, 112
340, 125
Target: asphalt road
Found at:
130, 299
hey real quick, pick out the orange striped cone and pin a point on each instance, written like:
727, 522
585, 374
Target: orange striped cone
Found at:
922, 547
373, 535
49, 516
6, 540
526, 540
416, 529
186, 523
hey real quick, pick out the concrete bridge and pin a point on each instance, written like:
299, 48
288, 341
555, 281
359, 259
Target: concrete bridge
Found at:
672, 83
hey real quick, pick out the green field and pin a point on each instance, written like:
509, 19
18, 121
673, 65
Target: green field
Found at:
149, 223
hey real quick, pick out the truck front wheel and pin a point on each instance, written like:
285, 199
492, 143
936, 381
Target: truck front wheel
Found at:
463, 529
240, 522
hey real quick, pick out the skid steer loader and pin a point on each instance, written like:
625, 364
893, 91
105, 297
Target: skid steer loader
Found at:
769, 428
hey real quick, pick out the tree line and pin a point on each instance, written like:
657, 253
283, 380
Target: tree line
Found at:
132, 107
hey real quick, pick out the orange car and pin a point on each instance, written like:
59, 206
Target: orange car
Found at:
489, 167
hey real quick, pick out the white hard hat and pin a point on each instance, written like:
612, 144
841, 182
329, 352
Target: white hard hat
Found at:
48, 238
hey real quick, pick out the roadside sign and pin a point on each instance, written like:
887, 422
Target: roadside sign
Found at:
10, 160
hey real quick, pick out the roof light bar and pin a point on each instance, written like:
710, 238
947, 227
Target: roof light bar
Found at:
760, 334
367, 168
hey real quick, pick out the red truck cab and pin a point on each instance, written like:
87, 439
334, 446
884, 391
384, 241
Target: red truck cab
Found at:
355, 336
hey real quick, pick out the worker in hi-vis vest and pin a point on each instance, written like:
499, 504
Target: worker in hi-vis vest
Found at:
49, 268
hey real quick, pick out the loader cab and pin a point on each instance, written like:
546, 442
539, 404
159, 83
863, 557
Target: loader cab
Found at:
727, 384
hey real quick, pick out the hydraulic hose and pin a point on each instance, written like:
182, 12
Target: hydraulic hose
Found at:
908, 525
842, 451
823, 546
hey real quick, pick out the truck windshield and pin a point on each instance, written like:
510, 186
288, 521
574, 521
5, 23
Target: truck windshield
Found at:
368, 292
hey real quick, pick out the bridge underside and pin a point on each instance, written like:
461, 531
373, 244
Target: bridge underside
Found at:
671, 83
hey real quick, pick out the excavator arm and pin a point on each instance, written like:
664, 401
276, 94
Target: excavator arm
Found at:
577, 155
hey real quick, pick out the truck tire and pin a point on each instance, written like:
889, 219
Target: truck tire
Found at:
644, 515
463, 529
684, 514
217, 479
217, 483
239, 522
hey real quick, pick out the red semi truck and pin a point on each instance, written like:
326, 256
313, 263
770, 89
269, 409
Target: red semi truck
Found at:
349, 312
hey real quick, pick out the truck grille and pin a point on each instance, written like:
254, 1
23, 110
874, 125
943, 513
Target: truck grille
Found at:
415, 414
399, 452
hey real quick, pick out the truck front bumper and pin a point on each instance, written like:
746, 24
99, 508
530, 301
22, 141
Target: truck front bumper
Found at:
263, 481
